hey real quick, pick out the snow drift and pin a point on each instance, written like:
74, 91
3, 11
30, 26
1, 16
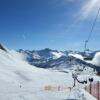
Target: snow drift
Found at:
96, 59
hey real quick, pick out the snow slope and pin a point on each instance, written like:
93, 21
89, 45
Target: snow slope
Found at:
21, 81
57, 55
16, 73
78, 56
96, 59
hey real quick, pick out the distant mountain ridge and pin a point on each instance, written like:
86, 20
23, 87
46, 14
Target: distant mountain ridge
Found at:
54, 59
48, 58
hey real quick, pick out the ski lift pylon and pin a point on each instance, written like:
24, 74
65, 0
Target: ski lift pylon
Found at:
88, 57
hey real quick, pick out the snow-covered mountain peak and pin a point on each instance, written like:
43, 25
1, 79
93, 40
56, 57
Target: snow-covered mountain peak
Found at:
57, 54
44, 54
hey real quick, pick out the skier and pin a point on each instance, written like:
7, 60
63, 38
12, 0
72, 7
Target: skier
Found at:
74, 76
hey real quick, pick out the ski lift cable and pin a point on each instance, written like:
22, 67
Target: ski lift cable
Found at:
86, 42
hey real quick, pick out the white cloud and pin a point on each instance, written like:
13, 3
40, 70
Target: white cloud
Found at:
89, 8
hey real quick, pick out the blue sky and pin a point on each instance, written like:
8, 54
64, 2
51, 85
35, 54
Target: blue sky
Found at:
55, 24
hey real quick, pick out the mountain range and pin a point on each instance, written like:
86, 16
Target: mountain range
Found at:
47, 58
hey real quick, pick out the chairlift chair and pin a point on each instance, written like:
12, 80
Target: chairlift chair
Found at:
87, 56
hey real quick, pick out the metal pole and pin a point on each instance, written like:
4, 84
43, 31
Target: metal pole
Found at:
98, 91
90, 88
74, 83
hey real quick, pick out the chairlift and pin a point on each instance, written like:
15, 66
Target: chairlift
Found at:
87, 55
88, 58
86, 51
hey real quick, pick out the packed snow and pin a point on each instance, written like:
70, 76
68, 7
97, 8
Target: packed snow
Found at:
21, 81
